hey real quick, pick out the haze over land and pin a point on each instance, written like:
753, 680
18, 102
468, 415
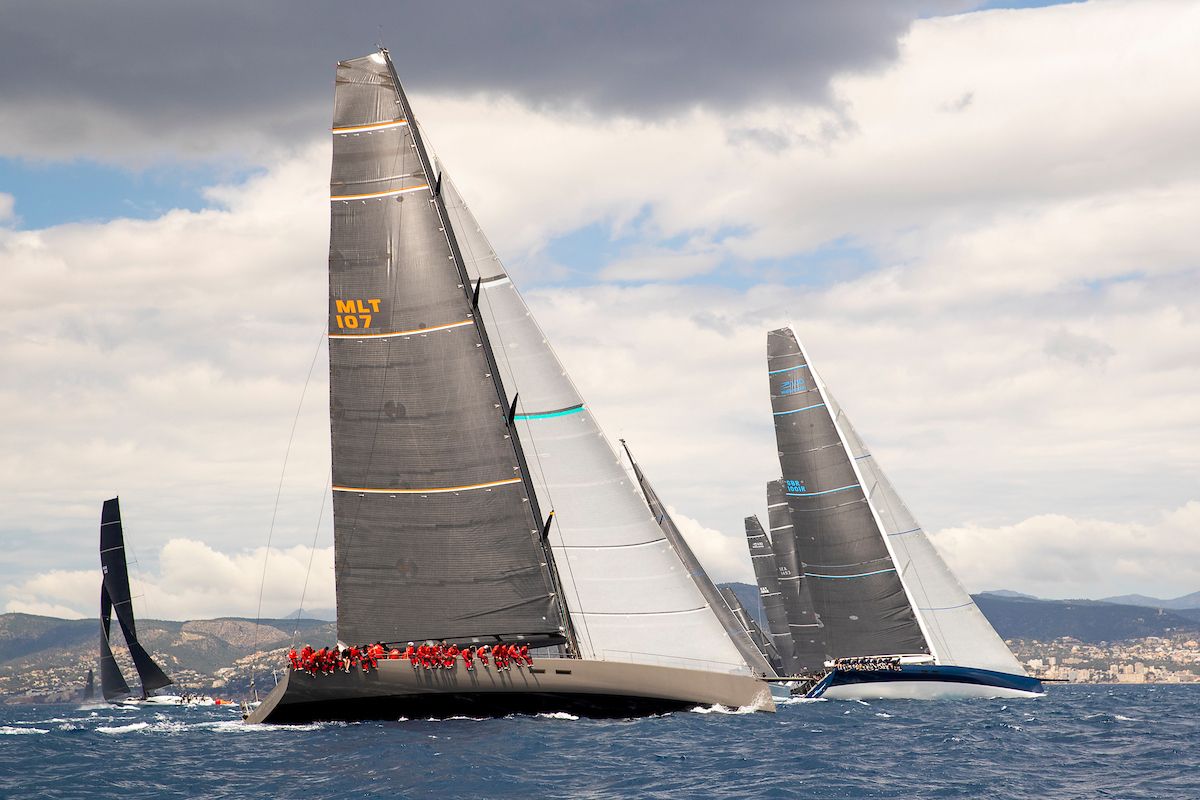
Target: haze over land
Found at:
981, 224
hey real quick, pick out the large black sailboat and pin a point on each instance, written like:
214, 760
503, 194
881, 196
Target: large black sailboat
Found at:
893, 620
115, 598
476, 500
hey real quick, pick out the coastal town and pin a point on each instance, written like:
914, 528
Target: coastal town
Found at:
1153, 659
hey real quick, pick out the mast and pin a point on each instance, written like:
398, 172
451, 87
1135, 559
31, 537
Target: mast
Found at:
434, 181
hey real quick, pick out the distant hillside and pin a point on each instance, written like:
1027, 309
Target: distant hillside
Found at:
45, 657
1087, 620
1187, 602
1011, 593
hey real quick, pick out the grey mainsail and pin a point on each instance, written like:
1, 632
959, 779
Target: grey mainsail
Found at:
437, 533
852, 576
761, 640
717, 600
767, 575
115, 598
808, 639
628, 592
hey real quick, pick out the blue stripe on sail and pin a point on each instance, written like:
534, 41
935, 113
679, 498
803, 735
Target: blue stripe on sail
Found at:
562, 412
859, 575
860, 458
785, 369
797, 410
901, 533
948, 608
827, 491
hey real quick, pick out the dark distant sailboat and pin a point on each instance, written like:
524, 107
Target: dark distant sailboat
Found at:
475, 497
895, 622
89, 688
115, 597
750, 625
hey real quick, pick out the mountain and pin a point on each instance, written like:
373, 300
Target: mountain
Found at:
1087, 620
1011, 594
47, 658
1186, 602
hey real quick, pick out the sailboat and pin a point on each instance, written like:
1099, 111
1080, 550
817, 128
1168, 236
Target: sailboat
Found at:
115, 597
750, 625
894, 621
475, 498
89, 687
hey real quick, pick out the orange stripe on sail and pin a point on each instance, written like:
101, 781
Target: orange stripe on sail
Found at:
371, 126
435, 490
370, 195
399, 333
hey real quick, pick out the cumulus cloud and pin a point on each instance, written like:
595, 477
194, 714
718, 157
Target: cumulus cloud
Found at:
1054, 555
1025, 343
6, 207
724, 558
192, 581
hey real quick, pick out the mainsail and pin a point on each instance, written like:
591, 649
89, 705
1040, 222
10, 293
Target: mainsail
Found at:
852, 575
115, 598
767, 575
436, 532
808, 641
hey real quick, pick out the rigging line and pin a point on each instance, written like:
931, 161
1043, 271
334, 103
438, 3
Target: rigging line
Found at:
279, 491
312, 551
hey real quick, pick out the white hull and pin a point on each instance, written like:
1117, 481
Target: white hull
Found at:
922, 690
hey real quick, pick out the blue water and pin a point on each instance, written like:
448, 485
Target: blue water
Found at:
1077, 742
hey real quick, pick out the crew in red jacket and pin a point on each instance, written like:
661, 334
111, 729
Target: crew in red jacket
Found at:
294, 658
525, 656
411, 654
500, 656
468, 657
451, 654
482, 653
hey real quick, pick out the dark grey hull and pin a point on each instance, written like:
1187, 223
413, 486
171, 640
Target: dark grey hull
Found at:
584, 688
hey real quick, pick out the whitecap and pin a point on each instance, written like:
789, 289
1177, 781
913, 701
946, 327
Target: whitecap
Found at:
133, 726
558, 715
717, 708
9, 730
883, 714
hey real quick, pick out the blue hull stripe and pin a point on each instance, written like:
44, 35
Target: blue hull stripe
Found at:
798, 410
561, 412
933, 673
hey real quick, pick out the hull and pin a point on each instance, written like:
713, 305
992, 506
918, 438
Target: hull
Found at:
585, 688
924, 682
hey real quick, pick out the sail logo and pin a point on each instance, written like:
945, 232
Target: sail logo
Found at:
763, 590
794, 386
353, 314
796, 487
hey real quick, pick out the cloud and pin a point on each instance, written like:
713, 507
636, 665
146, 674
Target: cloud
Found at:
1025, 343
193, 581
7, 202
126, 85
1057, 556
724, 558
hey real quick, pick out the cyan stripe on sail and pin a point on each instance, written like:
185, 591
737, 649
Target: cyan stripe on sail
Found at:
859, 575
798, 410
827, 491
785, 369
561, 412
901, 533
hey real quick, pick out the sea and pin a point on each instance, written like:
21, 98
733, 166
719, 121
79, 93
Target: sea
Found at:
1075, 742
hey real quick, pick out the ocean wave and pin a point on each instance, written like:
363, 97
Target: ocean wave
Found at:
717, 708
133, 726
558, 715
9, 730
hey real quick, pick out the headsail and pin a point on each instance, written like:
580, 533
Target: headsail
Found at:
749, 624
958, 631
767, 575
436, 529
628, 592
808, 640
717, 600
854, 583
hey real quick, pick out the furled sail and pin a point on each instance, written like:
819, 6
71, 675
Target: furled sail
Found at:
750, 625
629, 594
716, 600
115, 598
808, 641
767, 576
852, 576
437, 533
958, 631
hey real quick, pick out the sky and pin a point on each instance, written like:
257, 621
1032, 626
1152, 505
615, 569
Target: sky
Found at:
980, 218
